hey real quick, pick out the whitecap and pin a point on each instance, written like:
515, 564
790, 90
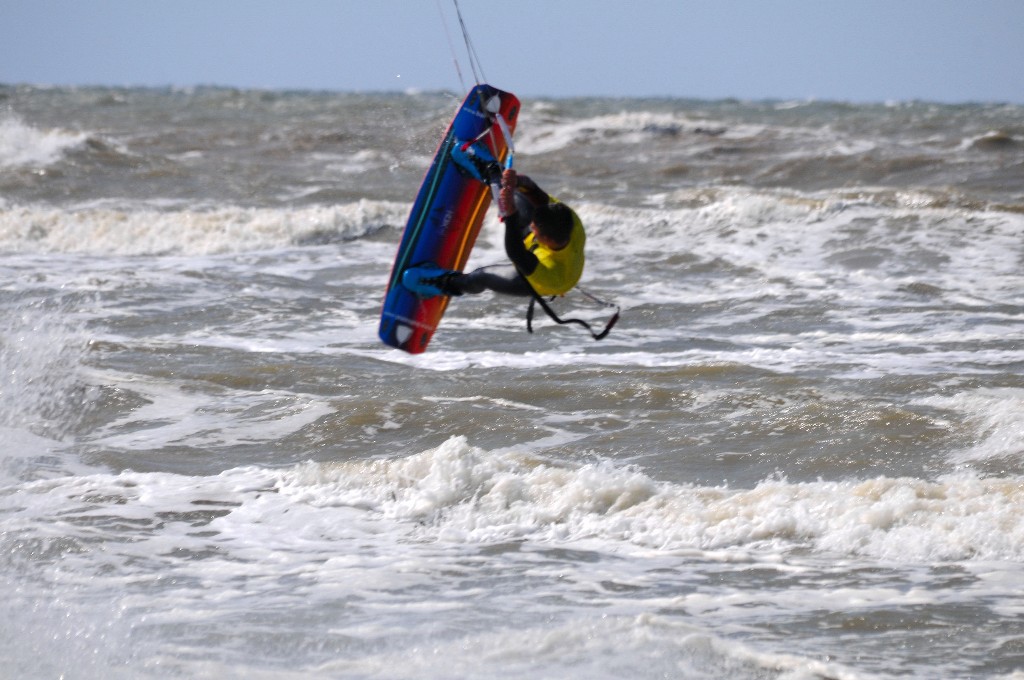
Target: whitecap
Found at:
22, 145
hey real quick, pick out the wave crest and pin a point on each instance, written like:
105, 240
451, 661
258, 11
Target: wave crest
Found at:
22, 145
149, 231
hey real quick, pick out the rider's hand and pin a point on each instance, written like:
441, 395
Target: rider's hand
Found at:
506, 196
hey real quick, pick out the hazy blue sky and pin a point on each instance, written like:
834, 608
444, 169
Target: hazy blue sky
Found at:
850, 50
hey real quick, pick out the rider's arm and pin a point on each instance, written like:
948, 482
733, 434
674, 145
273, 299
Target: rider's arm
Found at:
533, 193
525, 261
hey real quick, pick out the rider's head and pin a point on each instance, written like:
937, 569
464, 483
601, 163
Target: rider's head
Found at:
553, 223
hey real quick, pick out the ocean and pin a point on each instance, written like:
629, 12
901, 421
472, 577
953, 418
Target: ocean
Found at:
799, 454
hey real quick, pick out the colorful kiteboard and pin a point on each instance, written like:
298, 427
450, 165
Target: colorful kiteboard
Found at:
446, 217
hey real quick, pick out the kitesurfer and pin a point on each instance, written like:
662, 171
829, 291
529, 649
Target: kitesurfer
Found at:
544, 239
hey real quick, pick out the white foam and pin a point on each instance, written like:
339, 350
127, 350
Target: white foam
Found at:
18, 443
784, 360
104, 230
41, 347
398, 540
365, 160
541, 132
997, 417
23, 145
171, 416
991, 139
580, 648
460, 493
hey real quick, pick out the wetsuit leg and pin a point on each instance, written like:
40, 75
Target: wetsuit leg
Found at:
478, 281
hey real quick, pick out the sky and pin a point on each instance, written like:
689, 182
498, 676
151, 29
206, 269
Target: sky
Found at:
859, 51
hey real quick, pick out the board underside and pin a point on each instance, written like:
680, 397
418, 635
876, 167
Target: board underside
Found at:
445, 220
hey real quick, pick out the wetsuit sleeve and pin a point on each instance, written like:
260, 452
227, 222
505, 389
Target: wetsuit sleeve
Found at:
533, 193
525, 261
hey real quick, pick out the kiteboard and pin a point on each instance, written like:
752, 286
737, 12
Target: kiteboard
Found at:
446, 217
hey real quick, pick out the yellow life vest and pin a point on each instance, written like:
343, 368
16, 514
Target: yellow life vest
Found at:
558, 270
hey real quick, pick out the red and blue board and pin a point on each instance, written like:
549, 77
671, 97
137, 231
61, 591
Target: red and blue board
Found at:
446, 218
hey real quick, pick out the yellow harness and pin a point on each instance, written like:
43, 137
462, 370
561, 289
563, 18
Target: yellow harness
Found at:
558, 270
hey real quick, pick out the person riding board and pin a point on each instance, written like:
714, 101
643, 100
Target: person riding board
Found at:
544, 238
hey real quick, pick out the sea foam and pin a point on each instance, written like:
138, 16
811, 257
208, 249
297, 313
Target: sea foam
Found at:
461, 493
22, 145
112, 230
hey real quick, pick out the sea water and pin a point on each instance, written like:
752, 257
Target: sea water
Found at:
800, 453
